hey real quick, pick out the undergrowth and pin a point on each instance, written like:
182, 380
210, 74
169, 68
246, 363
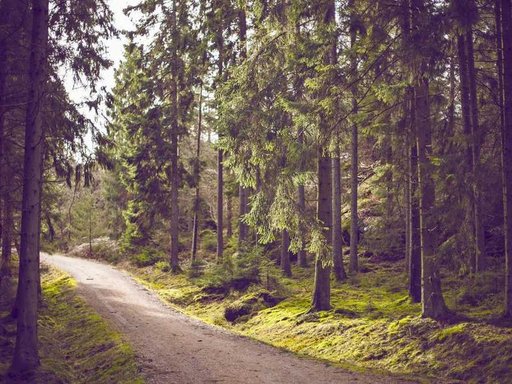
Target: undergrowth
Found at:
76, 345
372, 324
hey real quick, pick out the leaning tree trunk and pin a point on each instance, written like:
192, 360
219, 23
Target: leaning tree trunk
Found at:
26, 356
506, 10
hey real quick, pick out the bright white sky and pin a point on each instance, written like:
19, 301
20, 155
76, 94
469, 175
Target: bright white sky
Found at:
115, 53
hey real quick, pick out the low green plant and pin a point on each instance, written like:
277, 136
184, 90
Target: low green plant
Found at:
163, 266
147, 257
208, 240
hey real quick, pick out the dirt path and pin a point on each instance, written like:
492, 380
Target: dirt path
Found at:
173, 348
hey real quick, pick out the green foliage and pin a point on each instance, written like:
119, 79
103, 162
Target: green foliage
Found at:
241, 270
163, 266
373, 324
208, 240
146, 257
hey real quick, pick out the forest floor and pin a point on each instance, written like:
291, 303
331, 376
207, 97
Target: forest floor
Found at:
372, 325
76, 345
174, 348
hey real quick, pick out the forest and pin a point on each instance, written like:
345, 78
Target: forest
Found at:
329, 177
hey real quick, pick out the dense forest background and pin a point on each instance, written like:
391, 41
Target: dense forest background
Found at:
249, 135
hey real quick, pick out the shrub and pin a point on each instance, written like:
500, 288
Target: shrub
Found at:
236, 272
208, 240
147, 257
163, 266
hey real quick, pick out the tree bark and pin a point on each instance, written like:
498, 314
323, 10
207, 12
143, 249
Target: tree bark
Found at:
286, 267
506, 13
302, 259
322, 284
337, 241
243, 230
220, 169
9, 18
174, 209
229, 216
195, 225
499, 64
433, 305
414, 213
26, 356
354, 168
479, 238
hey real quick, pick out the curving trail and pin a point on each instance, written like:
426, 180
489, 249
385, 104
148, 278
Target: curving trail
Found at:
173, 348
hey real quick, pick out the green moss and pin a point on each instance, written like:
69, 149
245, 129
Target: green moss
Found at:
443, 334
373, 324
76, 345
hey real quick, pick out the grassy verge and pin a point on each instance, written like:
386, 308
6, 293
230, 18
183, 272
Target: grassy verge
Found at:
76, 344
372, 325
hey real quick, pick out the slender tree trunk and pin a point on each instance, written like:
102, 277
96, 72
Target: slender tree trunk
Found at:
220, 171
322, 284
4, 32
220, 206
7, 214
479, 242
337, 241
466, 120
229, 218
195, 225
414, 213
407, 200
243, 230
433, 305
6, 217
51, 229
506, 13
286, 267
302, 258
174, 229
354, 167
465, 97
499, 64
26, 356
